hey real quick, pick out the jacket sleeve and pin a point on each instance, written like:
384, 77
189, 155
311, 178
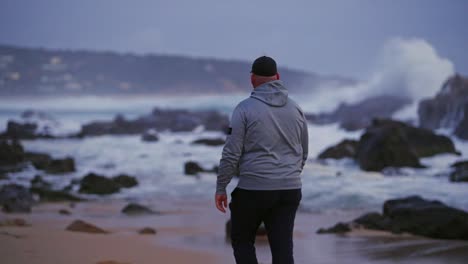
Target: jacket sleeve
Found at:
232, 151
305, 142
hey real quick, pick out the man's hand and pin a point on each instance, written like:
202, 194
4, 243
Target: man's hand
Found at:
221, 201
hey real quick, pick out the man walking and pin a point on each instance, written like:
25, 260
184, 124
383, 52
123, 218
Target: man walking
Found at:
267, 147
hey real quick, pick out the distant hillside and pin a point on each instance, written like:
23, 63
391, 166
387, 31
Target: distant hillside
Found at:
28, 71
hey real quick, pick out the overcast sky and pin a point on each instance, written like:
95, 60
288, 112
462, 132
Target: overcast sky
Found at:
333, 37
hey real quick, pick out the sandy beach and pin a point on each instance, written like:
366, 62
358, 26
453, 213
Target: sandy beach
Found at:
193, 232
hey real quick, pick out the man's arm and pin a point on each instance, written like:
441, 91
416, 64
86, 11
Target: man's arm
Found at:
305, 143
232, 151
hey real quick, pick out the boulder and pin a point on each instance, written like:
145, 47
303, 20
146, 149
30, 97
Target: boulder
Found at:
192, 168
460, 172
46, 193
82, 226
413, 215
345, 149
46, 163
137, 209
448, 109
64, 212
147, 231
125, 181
150, 135
389, 143
15, 199
209, 141
96, 184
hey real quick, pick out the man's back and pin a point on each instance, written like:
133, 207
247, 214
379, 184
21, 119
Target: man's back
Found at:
274, 145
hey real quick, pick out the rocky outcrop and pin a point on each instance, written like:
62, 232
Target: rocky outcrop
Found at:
82, 226
46, 163
193, 168
46, 193
11, 153
159, 119
15, 199
413, 215
125, 181
96, 184
137, 209
389, 143
209, 141
358, 116
33, 124
448, 109
345, 149
460, 172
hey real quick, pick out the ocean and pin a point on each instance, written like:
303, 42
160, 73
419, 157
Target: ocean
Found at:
331, 185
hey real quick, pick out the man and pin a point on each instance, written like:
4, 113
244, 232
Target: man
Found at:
267, 147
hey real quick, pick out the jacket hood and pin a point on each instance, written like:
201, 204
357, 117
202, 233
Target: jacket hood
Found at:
272, 93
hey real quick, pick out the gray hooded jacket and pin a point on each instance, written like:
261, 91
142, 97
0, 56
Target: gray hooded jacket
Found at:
268, 142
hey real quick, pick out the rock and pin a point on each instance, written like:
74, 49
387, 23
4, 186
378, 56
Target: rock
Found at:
64, 212
81, 226
11, 153
460, 173
151, 135
416, 216
15, 199
14, 222
96, 184
382, 147
125, 181
17, 130
174, 120
389, 143
44, 162
358, 116
339, 228
137, 209
209, 141
46, 193
192, 168
344, 149
147, 231
448, 109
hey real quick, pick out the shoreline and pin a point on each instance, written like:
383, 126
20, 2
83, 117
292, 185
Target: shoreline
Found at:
193, 232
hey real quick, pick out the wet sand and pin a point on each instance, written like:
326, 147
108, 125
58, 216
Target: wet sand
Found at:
193, 232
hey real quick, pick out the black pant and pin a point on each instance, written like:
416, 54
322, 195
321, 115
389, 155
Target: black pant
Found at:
276, 209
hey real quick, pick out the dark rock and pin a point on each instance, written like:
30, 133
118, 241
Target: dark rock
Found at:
64, 212
21, 131
344, 149
416, 216
42, 161
448, 109
46, 193
3, 176
389, 143
96, 184
339, 228
460, 173
151, 135
173, 120
358, 116
209, 141
81, 226
38, 182
147, 231
137, 209
15, 199
125, 181
192, 168
11, 153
